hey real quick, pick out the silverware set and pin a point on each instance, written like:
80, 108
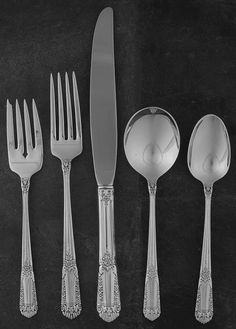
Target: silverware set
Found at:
151, 145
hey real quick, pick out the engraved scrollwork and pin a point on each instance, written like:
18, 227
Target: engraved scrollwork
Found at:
106, 195
204, 315
108, 267
66, 166
151, 311
153, 110
25, 184
208, 191
107, 261
69, 262
27, 269
70, 274
27, 287
152, 187
205, 275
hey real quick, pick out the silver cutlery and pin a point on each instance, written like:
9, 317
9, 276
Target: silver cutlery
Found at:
208, 160
103, 124
151, 143
66, 144
25, 159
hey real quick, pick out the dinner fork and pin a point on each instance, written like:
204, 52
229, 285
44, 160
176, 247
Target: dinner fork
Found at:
66, 147
25, 159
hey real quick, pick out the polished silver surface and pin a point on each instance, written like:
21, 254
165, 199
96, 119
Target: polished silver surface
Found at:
25, 159
208, 160
151, 143
103, 100
66, 144
104, 145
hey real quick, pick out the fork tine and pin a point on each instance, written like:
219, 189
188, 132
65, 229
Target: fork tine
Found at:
60, 108
77, 108
37, 127
52, 108
19, 130
10, 127
28, 135
69, 110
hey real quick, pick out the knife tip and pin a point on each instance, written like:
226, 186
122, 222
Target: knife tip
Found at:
107, 10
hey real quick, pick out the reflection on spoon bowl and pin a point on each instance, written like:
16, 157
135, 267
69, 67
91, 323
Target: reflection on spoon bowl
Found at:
209, 150
152, 142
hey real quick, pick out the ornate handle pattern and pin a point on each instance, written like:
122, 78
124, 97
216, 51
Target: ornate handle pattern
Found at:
204, 303
108, 297
151, 305
70, 296
28, 299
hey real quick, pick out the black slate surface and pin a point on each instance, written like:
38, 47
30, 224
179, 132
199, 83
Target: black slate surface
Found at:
179, 55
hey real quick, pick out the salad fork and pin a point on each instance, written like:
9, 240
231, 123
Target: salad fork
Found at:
25, 159
66, 146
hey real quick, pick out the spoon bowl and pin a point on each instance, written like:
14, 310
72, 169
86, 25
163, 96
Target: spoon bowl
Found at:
151, 142
209, 150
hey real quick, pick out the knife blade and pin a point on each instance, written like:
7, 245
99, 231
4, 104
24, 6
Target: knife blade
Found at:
103, 124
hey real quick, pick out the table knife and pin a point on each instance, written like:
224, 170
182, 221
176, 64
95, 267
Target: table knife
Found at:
103, 124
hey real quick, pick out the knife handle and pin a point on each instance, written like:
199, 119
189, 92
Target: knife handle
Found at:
108, 295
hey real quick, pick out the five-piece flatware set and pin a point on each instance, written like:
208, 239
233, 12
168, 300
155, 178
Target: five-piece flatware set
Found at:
151, 146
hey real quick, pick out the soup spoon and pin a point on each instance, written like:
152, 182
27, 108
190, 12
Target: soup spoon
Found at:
151, 143
208, 161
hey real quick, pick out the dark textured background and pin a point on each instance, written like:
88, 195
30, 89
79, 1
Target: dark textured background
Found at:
179, 55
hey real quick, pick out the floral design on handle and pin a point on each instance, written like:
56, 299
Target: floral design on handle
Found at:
70, 298
28, 299
66, 166
204, 303
108, 273
25, 184
151, 305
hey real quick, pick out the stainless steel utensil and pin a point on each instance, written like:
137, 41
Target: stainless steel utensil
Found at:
104, 146
66, 147
25, 159
151, 143
208, 161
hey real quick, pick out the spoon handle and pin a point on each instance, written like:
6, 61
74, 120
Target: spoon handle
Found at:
204, 303
151, 306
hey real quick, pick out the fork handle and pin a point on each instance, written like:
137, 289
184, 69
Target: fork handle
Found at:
204, 303
28, 299
108, 295
70, 295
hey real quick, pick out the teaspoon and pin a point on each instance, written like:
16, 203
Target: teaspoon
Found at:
208, 161
151, 143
